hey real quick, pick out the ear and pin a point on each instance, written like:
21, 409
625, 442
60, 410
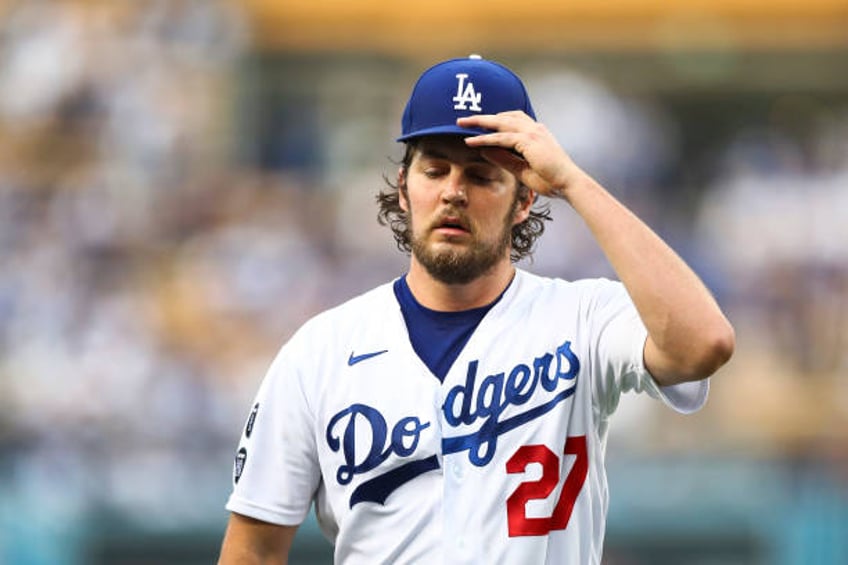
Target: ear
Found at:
524, 204
401, 184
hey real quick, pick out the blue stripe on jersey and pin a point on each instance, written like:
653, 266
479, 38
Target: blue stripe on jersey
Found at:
437, 337
380, 487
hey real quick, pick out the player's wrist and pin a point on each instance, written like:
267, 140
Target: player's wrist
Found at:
568, 182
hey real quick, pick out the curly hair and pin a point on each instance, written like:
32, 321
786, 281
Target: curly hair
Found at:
524, 234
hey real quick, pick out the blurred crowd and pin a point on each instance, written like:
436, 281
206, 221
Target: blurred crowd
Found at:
774, 220
148, 271
147, 277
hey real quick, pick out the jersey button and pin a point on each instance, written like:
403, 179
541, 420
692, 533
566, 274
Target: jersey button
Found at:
458, 471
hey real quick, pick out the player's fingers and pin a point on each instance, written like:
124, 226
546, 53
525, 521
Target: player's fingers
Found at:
504, 158
495, 139
517, 166
518, 115
503, 121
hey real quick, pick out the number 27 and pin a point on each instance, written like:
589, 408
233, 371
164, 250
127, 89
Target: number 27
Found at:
516, 505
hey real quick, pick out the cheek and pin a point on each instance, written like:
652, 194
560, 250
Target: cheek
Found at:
413, 206
418, 200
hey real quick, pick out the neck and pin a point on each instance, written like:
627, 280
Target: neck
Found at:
437, 295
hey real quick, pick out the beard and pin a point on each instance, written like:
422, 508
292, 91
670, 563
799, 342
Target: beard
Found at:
462, 264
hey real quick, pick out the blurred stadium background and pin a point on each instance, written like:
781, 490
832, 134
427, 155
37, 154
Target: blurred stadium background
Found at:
183, 182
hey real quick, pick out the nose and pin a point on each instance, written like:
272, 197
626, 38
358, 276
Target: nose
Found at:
454, 191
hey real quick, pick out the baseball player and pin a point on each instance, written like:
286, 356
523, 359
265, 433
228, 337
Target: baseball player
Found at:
459, 413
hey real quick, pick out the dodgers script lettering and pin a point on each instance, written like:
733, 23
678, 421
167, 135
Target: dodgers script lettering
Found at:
498, 392
403, 441
362, 435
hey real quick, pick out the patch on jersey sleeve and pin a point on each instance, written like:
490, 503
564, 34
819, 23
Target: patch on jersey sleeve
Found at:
238, 467
251, 420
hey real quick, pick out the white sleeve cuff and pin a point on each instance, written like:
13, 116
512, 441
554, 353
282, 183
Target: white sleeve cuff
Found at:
247, 508
685, 398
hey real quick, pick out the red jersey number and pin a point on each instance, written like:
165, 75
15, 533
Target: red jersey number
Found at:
516, 505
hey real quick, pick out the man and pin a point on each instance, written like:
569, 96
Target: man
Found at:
459, 414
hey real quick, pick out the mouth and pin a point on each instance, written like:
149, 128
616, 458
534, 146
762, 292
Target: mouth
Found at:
452, 225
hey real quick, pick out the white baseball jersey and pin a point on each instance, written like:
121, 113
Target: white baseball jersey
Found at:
503, 462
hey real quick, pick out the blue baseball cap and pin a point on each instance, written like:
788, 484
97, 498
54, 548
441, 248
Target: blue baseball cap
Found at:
457, 88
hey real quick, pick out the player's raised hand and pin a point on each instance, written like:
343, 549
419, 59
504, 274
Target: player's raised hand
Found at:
526, 148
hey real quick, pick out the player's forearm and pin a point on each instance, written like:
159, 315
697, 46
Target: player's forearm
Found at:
689, 336
252, 542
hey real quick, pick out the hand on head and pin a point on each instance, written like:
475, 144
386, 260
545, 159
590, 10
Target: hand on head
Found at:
524, 147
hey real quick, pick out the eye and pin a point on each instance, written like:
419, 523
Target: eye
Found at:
480, 177
432, 172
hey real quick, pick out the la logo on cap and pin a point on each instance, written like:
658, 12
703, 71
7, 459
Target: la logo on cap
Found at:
465, 93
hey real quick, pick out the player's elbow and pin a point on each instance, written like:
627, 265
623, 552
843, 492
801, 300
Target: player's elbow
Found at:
693, 355
713, 348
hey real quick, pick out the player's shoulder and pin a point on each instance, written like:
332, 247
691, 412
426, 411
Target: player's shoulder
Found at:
321, 337
545, 287
354, 314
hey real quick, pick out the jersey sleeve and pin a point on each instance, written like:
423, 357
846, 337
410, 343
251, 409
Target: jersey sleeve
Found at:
276, 470
617, 342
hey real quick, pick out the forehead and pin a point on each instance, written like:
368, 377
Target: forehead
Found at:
448, 147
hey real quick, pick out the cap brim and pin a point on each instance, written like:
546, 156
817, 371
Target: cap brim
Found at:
443, 130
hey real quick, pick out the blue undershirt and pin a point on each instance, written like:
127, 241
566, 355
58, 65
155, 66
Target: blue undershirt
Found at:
437, 337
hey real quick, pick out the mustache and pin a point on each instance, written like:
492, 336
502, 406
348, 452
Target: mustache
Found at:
452, 217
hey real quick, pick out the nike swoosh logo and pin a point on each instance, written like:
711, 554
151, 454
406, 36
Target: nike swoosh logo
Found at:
354, 359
